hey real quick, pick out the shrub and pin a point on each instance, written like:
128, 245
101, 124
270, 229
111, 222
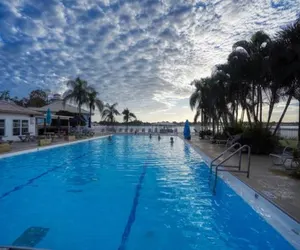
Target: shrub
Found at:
238, 128
259, 139
296, 173
205, 133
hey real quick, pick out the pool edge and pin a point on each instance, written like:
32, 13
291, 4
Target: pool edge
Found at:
281, 221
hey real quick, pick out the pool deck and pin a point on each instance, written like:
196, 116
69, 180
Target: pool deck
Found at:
21, 146
265, 179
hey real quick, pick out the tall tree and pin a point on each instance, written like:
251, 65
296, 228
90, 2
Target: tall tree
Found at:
109, 112
4, 95
286, 64
37, 98
78, 93
128, 116
93, 102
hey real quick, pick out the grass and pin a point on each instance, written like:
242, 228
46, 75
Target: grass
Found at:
290, 143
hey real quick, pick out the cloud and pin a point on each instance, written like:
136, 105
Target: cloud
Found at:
142, 54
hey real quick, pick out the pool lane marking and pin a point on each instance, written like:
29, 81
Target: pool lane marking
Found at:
30, 181
135, 203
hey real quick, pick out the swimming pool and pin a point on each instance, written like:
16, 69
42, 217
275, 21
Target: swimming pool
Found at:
128, 193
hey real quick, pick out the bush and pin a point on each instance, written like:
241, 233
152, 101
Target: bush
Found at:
205, 133
236, 129
260, 140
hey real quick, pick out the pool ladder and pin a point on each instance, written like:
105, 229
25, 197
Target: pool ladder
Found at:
237, 169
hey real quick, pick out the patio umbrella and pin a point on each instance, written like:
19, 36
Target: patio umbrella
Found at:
187, 131
48, 117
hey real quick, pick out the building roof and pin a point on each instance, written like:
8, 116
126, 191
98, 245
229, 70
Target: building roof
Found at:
10, 107
57, 106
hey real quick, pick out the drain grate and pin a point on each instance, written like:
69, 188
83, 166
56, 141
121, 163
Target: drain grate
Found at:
31, 237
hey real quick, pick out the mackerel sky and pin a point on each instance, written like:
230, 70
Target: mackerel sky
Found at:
141, 54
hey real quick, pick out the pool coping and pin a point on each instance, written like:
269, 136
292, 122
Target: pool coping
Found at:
36, 149
274, 215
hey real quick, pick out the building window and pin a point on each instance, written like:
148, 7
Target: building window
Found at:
16, 127
25, 127
2, 127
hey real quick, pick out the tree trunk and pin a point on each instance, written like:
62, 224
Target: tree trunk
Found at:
213, 126
236, 113
257, 101
299, 124
249, 118
90, 118
270, 113
282, 115
79, 114
261, 105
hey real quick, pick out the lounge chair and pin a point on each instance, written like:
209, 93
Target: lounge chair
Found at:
24, 138
120, 130
131, 130
149, 131
283, 158
233, 139
143, 130
126, 130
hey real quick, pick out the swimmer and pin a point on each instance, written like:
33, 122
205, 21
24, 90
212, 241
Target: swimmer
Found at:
159, 137
171, 140
150, 136
109, 138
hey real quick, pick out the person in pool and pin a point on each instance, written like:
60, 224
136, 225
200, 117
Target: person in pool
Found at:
171, 140
159, 137
150, 136
109, 138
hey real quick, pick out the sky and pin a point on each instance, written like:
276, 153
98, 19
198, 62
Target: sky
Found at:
142, 54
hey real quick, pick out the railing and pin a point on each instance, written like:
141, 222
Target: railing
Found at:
237, 169
223, 153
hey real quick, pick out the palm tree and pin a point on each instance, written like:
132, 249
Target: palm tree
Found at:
286, 65
253, 73
128, 116
78, 93
109, 112
93, 102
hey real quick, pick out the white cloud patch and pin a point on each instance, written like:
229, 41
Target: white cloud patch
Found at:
142, 54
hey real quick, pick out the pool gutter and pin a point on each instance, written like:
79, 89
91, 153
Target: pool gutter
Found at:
274, 215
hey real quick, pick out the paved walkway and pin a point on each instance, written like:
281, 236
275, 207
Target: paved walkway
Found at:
268, 181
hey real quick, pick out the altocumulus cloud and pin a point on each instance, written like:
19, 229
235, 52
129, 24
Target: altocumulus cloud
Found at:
142, 54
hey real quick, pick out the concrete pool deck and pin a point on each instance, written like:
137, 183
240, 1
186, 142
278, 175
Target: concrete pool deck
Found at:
21, 146
274, 185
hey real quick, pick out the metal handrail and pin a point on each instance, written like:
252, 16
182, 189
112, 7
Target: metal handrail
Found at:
223, 153
239, 166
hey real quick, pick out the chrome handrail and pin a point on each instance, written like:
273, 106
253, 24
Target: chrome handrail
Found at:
239, 167
223, 153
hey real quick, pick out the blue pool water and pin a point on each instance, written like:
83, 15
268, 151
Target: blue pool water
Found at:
129, 193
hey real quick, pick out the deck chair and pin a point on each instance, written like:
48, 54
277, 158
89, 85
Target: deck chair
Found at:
282, 159
233, 139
